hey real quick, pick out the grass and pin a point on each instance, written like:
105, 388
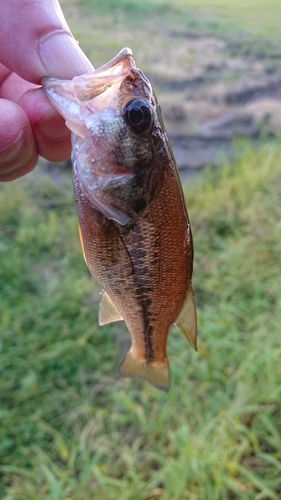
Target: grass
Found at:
255, 16
70, 427
258, 17
156, 29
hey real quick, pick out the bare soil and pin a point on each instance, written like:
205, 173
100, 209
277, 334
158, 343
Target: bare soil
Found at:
217, 95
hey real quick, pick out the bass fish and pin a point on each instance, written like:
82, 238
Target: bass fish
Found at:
133, 224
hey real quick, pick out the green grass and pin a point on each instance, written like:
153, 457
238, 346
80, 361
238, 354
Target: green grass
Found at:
155, 27
70, 428
258, 17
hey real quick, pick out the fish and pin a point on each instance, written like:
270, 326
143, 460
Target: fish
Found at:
133, 223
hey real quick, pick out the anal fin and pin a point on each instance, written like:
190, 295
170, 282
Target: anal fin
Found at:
186, 321
157, 374
108, 312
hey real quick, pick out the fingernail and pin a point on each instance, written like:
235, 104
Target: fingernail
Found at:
11, 152
18, 158
61, 56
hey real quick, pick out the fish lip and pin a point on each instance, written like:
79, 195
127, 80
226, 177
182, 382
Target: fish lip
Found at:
124, 55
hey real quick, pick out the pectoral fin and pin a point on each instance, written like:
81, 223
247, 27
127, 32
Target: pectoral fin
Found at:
82, 243
108, 312
186, 321
156, 374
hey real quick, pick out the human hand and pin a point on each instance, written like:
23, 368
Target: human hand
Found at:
35, 41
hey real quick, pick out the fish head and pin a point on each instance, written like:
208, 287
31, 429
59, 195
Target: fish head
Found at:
119, 142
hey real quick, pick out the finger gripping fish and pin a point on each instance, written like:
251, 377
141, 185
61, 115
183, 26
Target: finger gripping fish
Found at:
133, 224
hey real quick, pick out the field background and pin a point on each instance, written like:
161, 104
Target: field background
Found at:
70, 427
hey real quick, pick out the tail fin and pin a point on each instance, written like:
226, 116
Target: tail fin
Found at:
156, 374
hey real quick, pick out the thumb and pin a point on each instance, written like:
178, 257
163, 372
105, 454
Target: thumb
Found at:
36, 41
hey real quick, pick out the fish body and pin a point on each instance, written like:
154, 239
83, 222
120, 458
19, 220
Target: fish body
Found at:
133, 224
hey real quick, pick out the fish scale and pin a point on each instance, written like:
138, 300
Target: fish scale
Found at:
134, 228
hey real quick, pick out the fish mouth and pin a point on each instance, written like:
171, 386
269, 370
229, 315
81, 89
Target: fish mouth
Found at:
91, 85
120, 74
76, 97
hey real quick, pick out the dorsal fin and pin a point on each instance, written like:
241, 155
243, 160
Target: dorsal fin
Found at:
186, 321
108, 312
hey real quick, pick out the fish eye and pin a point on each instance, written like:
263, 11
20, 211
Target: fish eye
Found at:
138, 115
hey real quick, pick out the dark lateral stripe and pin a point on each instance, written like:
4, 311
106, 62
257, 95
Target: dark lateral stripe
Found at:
149, 352
148, 330
142, 280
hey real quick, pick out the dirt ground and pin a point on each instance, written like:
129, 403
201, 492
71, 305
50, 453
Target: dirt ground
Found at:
218, 94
